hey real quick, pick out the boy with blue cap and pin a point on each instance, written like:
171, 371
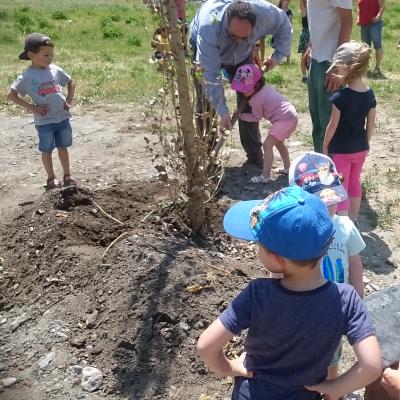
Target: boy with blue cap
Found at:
316, 173
294, 323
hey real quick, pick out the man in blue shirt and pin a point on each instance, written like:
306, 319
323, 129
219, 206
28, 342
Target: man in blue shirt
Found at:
223, 34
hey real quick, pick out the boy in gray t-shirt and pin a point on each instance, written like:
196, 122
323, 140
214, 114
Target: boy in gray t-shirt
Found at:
43, 83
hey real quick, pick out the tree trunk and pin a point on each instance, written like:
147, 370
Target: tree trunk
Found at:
195, 176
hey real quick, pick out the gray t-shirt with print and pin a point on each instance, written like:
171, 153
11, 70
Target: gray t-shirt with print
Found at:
44, 87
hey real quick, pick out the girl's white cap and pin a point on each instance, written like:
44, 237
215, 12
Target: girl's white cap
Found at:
346, 53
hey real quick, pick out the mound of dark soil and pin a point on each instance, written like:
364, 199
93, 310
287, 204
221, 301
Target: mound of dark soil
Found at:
133, 309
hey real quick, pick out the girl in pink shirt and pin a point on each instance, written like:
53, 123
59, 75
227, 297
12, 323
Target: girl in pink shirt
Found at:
267, 103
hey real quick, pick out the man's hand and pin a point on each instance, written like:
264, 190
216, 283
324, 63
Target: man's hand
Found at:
327, 389
225, 122
238, 368
39, 110
332, 82
270, 63
375, 19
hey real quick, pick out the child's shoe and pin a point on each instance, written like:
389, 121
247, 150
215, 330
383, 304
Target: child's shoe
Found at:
69, 181
260, 179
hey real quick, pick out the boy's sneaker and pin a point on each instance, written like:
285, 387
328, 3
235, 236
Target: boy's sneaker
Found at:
304, 79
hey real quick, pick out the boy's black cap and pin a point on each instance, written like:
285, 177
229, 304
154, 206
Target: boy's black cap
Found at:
33, 42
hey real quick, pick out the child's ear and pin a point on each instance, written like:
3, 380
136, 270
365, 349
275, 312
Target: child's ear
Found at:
30, 54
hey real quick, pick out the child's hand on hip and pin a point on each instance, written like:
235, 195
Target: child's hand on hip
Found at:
67, 106
238, 368
39, 110
327, 389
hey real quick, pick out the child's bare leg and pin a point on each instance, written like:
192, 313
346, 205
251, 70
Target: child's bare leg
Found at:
268, 146
48, 164
284, 152
303, 65
332, 373
355, 203
64, 159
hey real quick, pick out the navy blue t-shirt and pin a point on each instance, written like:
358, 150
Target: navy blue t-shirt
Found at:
292, 335
351, 135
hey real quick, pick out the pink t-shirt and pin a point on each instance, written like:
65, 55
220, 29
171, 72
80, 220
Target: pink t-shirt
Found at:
269, 104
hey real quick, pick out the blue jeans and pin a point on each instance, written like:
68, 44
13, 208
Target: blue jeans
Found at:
54, 135
372, 33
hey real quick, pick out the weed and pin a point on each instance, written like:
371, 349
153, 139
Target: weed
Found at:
3, 15
115, 18
59, 15
134, 41
23, 22
111, 31
393, 176
368, 185
44, 24
131, 20
385, 215
275, 78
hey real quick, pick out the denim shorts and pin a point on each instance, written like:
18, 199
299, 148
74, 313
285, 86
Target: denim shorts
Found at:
54, 135
372, 33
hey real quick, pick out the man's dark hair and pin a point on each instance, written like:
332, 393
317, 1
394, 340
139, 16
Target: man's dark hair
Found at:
241, 10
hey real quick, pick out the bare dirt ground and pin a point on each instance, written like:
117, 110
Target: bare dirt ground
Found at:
136, 310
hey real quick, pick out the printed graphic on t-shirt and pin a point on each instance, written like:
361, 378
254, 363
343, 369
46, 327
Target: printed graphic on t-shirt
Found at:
333, 268
45, 88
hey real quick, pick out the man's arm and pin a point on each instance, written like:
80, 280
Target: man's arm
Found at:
380, 12
332, 82
209, 61
346, 24
282, 36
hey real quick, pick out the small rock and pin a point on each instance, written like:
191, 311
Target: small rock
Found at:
3, 366
78, 342
7, 382
40, 211
45, 361
62, 336
91, 319
76, 369
3, 321
184, 326
19, 321
366, 280
92, 379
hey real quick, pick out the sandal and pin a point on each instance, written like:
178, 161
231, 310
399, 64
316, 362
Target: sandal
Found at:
52, 183
69, 181
260, 179
282, 171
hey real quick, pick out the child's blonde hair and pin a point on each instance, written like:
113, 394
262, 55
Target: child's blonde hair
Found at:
356, 57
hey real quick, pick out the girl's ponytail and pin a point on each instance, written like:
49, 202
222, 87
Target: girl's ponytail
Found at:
359, 66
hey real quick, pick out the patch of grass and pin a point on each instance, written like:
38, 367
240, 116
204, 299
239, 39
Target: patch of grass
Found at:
3, 15
111, 31
369, 185
386, 214
134, 41
393, 177
59, 15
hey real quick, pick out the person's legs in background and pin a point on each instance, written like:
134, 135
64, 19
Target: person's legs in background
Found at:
376, 36
343, 166
354, 185
319, 104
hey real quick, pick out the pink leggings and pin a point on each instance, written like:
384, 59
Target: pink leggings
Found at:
350, 167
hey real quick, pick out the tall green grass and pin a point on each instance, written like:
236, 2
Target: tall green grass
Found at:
105, 46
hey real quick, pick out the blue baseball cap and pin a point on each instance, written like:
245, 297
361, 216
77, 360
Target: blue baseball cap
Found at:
290, 222
316, 173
